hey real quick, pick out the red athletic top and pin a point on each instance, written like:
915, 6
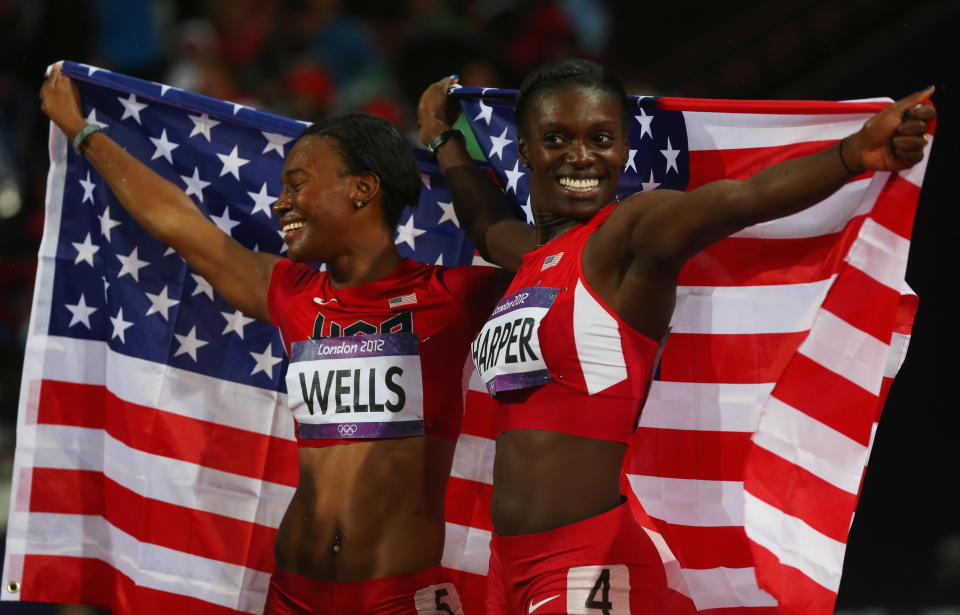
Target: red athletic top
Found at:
556, 357
444, 307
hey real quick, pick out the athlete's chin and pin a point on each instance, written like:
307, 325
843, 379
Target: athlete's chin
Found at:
299, 253
581, 210
581, 205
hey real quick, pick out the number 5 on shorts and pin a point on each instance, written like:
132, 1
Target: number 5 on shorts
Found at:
596, 590
441, 599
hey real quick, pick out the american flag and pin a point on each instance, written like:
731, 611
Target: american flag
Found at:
551, 261
141, 385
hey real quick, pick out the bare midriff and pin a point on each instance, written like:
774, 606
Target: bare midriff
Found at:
367, 509
543, 480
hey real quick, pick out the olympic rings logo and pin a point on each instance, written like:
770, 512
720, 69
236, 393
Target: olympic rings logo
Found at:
347, 430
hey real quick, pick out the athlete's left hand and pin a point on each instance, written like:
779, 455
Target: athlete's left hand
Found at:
436, 111
894, 138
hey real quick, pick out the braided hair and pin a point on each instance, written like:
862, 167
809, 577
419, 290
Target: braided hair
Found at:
370, 144
561, 73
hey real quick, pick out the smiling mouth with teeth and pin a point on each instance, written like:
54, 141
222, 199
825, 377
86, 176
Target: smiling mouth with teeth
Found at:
293, 226
579, 185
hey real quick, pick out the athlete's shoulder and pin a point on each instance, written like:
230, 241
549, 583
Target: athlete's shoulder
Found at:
293, 275
465, 280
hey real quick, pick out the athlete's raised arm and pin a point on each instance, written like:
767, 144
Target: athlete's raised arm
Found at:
483, 210
681, 224
239, 275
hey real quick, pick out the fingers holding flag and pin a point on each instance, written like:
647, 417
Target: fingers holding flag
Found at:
896, 137
435, 114
60, 101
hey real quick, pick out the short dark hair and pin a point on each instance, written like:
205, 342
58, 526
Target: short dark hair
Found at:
370, 144
562, 73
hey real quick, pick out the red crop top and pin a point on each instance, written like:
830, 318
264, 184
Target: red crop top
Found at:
414, 327
556, 357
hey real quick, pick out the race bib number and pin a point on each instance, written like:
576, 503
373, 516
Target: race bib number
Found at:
507, 350
361, 386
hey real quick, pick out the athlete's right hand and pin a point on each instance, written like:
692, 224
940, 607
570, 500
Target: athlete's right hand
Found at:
60, 100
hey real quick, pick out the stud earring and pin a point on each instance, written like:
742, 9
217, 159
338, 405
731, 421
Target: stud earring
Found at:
358, 204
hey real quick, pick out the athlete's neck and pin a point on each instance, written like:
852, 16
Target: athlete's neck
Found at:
362, 267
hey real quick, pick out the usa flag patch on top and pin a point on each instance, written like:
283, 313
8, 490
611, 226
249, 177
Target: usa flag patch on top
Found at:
551, 261
408, 299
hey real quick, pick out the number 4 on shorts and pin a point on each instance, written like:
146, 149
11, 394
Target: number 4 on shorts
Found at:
598, 590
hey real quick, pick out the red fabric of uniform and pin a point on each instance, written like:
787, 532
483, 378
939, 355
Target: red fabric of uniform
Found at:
600, 367
604, 564
427, 592
443, 306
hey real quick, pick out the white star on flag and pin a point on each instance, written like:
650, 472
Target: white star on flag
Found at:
439, 260
107, 223
264, 361
189, 344
528, 210
498, 144
119, 325
131, 108
202, 286
92, 119
513, 177
85, 251
232, 163
131, 265
448, 214
195, 185
236, 321
645, 121
262, 201
486, 113
671, 155
202, 125
408, 233
164, 148
224, 222
283, 246
649, 185
88, 187
161, 303
631, 162
425, 179
275, 142
80, 312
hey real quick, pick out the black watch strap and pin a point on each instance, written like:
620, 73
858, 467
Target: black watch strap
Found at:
442, 138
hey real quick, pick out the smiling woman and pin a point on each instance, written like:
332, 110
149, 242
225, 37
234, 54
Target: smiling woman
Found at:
596, 282
374, 383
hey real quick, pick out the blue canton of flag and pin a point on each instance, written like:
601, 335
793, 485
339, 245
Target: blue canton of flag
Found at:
658, 156
431, 233
114, 282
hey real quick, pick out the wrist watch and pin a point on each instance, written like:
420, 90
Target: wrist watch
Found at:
442, 138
